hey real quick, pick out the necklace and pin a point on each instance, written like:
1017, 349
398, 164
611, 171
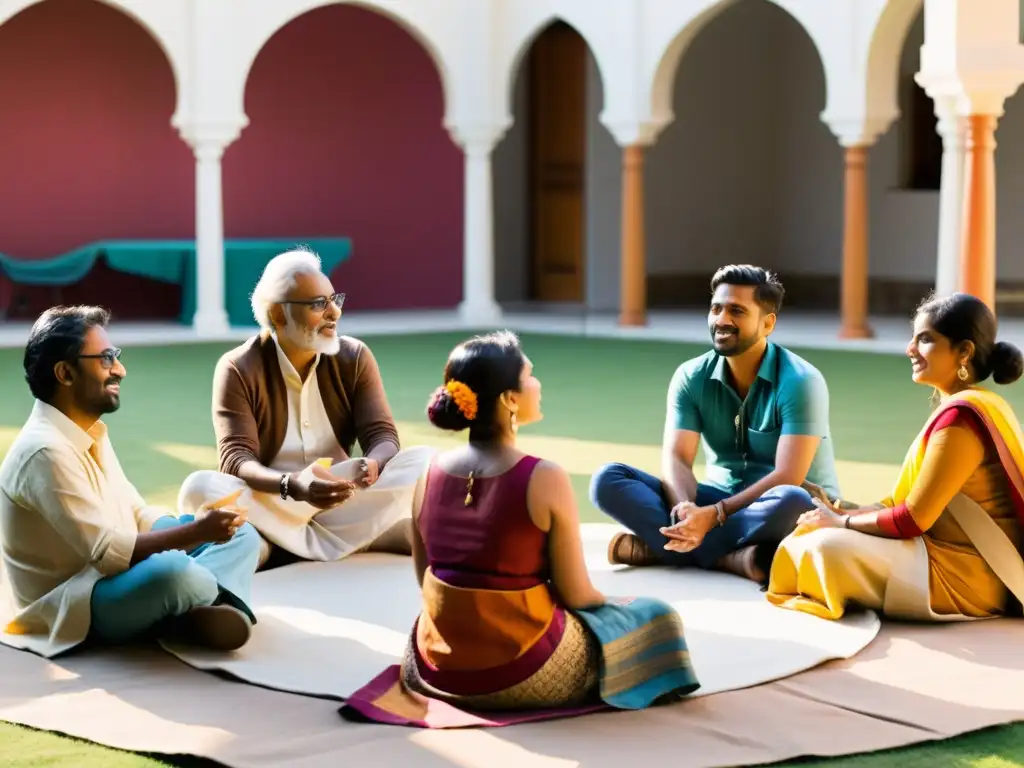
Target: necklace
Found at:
469, 490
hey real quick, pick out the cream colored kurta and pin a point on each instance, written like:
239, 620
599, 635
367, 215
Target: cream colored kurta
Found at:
68, 517
309, 435
296, 526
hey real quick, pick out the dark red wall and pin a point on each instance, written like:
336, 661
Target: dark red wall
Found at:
346, 139
87, 151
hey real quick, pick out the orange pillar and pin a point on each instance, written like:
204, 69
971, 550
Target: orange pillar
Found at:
978, 257
633, 297
854, 311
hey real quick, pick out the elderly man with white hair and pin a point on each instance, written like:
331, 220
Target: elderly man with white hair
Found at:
288, 405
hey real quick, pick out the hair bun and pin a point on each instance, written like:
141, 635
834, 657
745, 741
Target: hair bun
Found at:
444, 413
1007, 363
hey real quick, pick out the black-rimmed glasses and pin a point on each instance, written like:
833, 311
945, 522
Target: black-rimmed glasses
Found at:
106, 357
320, 304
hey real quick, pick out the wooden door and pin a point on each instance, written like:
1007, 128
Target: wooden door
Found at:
558, 145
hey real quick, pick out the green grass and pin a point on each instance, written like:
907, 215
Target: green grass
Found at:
596, 393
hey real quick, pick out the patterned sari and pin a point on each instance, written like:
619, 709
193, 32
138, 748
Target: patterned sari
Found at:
526, 658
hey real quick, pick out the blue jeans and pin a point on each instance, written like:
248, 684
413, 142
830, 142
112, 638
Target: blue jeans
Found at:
130, 604
637, 500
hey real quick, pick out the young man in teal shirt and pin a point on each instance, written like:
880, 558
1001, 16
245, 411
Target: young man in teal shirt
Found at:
761, 414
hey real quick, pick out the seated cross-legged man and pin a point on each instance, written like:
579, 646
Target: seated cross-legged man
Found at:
761, 413
84, 558
291, 396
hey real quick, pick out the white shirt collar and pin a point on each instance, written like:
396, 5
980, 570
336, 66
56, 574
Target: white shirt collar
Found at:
81, 439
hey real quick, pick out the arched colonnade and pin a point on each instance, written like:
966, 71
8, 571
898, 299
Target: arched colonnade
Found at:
971, 63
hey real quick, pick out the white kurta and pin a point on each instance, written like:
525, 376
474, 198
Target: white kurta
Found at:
68, 517
299, 527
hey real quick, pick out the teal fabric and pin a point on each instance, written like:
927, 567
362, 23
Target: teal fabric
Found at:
788, 397
641, 641
174, 261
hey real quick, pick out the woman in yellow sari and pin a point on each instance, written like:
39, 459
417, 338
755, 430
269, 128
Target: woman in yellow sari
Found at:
945, 545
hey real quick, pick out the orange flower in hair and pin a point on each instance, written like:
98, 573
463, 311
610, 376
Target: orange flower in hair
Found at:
464, 397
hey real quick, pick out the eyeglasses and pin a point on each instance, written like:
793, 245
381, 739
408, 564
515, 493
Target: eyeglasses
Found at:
320, 304
106, 357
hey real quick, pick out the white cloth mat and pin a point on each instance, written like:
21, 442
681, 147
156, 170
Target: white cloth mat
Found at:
327, 629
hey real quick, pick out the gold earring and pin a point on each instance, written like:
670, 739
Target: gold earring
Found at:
469, 490
963, 374
512, 422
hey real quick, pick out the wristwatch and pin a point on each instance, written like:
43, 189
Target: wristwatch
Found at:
284, 485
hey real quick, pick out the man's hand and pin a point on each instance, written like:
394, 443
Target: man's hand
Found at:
319, 488
693, 525
816, 491
362, 472
819, 493
676, 514
367, 472
219, 525
217, 521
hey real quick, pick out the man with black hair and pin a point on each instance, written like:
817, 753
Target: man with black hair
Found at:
761, 414
84, 558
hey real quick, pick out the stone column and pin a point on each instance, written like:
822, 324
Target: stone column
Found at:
479, 306
211, 318
972, 58
854, 280
978, 257
633, 286
951, 129
208, 143
857, 131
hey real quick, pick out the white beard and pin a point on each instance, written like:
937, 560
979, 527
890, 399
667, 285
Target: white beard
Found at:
314, 341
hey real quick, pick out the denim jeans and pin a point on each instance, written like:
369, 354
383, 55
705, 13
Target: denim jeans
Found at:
128, 605
637, 500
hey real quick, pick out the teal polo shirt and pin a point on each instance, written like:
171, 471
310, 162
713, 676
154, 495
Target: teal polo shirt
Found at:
739, 437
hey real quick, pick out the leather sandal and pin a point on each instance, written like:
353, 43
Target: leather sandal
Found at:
753, 562
629, 549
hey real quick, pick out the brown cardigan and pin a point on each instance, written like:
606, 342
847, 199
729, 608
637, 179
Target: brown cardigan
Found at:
250, 403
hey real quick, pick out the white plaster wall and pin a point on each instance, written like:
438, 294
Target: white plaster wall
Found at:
904, 222
749, 172
1010, 194
603, 234
716, 176
746, 172
511, 200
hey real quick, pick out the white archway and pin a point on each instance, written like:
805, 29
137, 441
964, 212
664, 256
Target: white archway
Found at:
731, 177
885, 51
520, 48
412, 16
662, 75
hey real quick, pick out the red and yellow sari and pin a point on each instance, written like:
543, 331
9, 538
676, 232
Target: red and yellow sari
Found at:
953, 528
